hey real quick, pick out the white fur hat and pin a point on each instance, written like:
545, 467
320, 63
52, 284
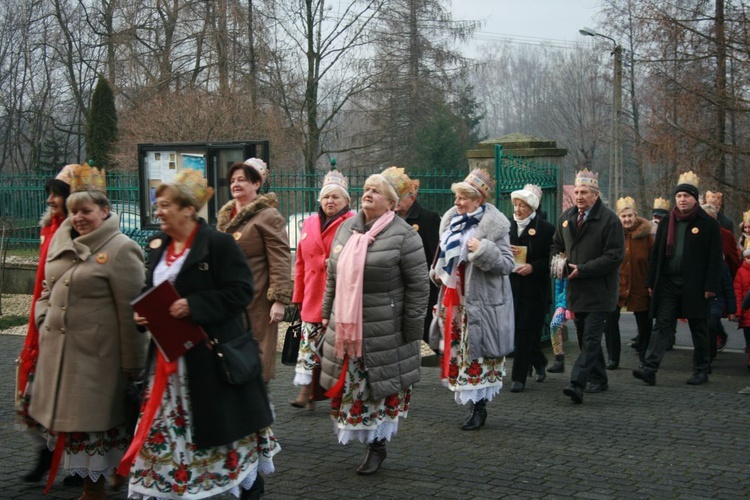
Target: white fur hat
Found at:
530, 194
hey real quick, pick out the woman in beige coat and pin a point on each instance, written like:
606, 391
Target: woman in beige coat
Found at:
256, 224
88, 342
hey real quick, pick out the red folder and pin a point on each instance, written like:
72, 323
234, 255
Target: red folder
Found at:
173, 336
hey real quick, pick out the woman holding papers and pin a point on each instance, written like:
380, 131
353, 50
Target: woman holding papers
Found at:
254, 221
374, 306
313, 249
530, 241
199, 436
88, 342
475, 307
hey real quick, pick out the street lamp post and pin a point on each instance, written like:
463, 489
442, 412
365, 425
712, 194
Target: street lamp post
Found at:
615, 154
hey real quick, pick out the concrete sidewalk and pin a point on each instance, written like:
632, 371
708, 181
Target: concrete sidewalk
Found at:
633, 441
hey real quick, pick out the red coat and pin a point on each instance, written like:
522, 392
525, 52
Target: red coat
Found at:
741, 287
313, 248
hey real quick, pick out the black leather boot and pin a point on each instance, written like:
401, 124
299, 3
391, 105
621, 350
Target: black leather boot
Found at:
478, 416
559, 365
373, 459
43, 461
256, 490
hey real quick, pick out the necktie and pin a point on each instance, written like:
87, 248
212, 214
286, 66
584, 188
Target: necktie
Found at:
580, 220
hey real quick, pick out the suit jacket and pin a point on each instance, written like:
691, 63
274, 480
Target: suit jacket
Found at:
701, 264
531, 293
598, 250
218, 286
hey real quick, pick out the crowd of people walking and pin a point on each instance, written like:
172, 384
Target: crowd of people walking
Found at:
106, 401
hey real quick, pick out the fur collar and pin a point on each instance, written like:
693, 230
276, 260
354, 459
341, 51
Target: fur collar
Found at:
641, 229
494, 224
226, 224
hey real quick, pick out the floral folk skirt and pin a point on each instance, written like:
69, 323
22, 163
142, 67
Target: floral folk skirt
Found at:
307, 357
471, 379
356, 415
169, 465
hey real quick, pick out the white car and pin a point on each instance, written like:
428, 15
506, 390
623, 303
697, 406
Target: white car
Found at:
294, 227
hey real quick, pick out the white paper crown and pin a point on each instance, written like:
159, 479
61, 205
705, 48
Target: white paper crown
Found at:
587, 178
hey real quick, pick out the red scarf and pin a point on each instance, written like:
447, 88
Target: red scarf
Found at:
675, 216
172, 255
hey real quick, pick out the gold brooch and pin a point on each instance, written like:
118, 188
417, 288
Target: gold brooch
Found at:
415, 226
155, 243
695, 230
565, 223
101, 257
532, 231
237, 235
337, 248
304, 235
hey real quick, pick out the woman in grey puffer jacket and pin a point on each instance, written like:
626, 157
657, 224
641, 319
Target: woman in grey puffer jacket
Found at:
378, 278
473, 265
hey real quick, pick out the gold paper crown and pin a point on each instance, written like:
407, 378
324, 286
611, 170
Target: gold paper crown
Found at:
625, 203
66, 174
414, 187
587, 178
192, 184
397, 177
86, 178
661, 204
689, 178
536, 190
336, 178
714, 198
481, 180
746, 218
260, 166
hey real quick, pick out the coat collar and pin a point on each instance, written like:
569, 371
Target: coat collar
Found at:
198, 251
642, 229
86, 244
226, 224
493, 225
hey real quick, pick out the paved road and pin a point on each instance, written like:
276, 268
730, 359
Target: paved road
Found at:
633, 441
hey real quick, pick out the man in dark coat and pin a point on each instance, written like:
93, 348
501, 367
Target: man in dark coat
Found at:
684, 273
530, 240
427, 224
591, 237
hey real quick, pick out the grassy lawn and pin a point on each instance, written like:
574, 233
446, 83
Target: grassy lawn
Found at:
12, 320
24, 252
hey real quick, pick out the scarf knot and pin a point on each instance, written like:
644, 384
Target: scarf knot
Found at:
674, 216
452, 242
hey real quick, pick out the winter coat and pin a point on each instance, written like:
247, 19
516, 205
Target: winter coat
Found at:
634, 268
741, 289
394, 303
88, 338
260, 231
313, 249
597, 249
730, 249
701, 264
531, 293
487, 292
724, 302
217, 284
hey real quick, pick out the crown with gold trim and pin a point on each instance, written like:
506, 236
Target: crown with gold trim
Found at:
587, 178
336, 178
193, 185
414, 187
260, 166
536, 190
87, 178
481, 180
689, 178
397, 177
714, 198
624, 203
746, 218
66, 174
661, 204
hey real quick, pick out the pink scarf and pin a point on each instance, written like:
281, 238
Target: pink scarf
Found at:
350, 272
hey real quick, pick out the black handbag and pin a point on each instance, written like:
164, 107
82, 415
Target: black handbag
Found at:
292, 339
238, 360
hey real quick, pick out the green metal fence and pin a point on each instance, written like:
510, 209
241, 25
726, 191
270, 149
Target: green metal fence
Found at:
22, 197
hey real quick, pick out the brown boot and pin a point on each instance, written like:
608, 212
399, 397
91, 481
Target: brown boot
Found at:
94, 490
303, 398
373, 459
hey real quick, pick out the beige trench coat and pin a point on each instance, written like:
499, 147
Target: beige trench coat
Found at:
87, 336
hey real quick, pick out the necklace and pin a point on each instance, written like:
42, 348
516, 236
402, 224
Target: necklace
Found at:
172, 255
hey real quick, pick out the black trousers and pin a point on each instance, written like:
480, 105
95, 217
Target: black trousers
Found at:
590, 363
528, 351
612, 335
644, 325
668, 309
715, 328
